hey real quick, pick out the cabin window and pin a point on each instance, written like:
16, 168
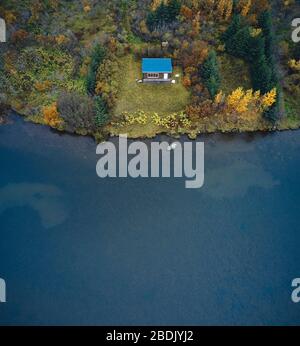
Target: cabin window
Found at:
153, 75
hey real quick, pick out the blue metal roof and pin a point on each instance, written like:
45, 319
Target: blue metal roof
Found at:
157, 65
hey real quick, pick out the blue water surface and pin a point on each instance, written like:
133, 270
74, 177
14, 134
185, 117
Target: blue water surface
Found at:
77, 249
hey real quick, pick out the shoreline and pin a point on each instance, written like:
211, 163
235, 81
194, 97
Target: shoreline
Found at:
178, 136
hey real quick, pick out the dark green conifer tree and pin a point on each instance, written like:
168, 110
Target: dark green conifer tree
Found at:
210, 74
102, 115
232, 29
174, 7
98, 56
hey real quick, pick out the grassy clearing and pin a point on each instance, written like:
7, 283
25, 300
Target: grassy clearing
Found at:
163, 99
292, 118
234, 73
91, 27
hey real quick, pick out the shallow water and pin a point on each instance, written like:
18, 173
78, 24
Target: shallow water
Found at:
76, 249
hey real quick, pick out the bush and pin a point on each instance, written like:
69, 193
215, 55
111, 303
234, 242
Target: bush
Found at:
77, 111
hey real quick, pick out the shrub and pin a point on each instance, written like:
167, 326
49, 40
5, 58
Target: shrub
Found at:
77, 111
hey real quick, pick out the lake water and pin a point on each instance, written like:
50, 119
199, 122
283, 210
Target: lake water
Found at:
76, 249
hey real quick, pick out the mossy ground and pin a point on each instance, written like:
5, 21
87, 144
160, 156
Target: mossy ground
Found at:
234, 73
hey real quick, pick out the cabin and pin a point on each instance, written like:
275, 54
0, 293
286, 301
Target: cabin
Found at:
157, 70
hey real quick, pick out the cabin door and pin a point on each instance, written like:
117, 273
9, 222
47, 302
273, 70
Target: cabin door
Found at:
166, 76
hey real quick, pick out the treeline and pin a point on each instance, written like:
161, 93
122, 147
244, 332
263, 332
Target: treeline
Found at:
256, 46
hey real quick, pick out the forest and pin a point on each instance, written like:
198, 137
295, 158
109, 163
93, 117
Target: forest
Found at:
74, 65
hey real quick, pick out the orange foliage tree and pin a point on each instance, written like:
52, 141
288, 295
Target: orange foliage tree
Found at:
51, 115
19, 35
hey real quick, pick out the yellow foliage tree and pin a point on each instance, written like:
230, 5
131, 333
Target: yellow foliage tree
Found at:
224, 9
87, 8
242, 101
86, 4
269, 98
155, 4
246, 6
234, 100
229, 9
294, 65
60, 39
219, 97
196, 25
221, 8
10, 17
255, 32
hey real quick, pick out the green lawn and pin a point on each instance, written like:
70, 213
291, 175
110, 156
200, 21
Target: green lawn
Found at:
163, 99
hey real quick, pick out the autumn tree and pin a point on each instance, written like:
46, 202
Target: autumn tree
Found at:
224, 9
196, 25
51, 115
245, 7
269, 99
186, 12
